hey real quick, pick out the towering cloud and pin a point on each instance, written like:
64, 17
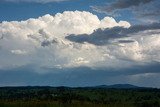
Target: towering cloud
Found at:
44, 42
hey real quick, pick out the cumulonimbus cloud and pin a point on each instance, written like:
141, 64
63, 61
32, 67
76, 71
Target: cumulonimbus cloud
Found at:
43, 42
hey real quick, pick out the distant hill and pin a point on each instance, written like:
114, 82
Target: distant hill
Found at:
119, 86
114, 86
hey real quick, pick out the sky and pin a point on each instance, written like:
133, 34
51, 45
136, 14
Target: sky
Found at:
79, 42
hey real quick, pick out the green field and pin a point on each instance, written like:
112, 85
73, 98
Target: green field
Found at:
78, 97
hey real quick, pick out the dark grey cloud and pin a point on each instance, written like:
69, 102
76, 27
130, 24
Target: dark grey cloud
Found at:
48, 42
126, 41
1, 37
148, 12
123, 4
43, 38
142, 9
101, 37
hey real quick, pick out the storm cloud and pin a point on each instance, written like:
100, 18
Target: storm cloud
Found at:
123, 4
143, 10
102, 36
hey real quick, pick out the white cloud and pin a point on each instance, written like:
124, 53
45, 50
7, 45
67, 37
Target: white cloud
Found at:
19, 52
43, 42
37, 1
109, 22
